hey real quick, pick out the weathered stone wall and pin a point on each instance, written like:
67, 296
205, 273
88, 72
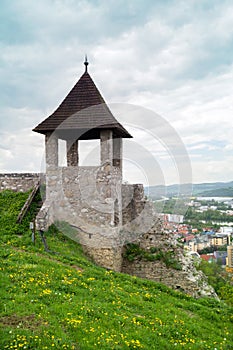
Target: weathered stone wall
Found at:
83, 196
132, 202
109, 258
186, 279
93, 200
95, 197
19, 182
195, 285
86, 197
138, 213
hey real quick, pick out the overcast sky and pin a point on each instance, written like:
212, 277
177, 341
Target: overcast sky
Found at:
173, 58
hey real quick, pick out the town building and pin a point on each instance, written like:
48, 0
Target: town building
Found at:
226, 230
218, 240
175, 218
208, 257
221, 257
229, 259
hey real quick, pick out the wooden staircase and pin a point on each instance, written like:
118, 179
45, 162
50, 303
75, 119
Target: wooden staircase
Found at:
28, 202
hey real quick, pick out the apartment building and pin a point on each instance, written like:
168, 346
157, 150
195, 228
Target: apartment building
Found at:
229, 259
218, 240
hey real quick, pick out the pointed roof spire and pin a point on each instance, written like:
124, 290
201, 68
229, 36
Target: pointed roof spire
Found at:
83, 113
86, 63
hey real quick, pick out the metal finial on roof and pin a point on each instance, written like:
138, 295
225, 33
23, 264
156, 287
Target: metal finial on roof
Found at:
86, 63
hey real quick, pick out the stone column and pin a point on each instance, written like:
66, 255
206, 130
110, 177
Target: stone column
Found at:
72, 152
51, 150
106, 147
117, 153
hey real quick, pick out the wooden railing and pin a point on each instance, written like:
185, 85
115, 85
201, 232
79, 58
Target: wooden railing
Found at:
27, 204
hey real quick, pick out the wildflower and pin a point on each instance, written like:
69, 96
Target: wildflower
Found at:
46, 291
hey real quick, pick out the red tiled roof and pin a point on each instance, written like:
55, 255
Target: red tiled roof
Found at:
188, 237
207, 257
83, 113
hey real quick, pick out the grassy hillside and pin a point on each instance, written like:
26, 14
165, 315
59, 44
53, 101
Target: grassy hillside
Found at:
62, 300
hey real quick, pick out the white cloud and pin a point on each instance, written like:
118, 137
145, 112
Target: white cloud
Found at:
174, 58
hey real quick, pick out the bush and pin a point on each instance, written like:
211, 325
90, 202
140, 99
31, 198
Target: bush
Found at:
133, 251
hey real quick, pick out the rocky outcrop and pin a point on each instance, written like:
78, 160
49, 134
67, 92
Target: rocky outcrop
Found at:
163, 260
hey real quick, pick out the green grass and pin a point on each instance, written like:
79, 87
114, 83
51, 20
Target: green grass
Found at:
220, 279
64, 301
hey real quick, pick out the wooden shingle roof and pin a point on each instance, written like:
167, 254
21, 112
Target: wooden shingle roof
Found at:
82, 114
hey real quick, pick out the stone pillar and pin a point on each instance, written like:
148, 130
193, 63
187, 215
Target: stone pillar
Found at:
106, 147
117, 153
72, 152
51, 150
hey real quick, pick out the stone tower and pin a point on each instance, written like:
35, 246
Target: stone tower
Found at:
90, 198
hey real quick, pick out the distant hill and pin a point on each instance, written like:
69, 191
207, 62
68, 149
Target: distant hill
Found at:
212, 189
218, 192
